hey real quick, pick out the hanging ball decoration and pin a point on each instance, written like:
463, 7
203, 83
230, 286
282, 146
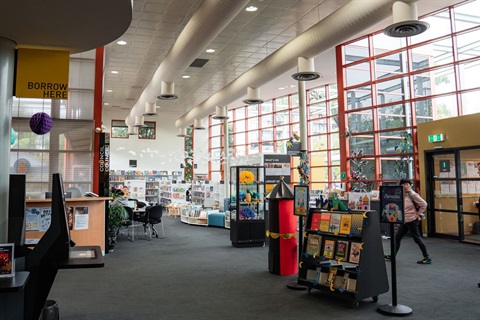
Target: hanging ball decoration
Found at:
41, 123
98, 130
13, 136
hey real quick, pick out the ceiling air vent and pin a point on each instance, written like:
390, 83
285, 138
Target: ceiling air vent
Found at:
406, 28
199, 63
167, 91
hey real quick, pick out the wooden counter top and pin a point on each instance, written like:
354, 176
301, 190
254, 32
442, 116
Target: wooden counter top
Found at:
70, 199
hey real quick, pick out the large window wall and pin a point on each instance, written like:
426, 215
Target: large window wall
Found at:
68, 147
386, 87
389, 85
267, 127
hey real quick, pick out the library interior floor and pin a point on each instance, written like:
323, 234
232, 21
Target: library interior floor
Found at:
195, 273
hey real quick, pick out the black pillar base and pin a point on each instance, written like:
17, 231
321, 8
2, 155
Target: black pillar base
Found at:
397, 310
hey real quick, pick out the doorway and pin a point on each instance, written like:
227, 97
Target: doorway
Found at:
453, 192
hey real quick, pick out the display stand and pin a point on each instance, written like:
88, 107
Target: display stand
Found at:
393, 211
247, 214
294, 285
359, 272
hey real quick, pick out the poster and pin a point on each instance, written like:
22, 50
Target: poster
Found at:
32, 219
276, 166
81, 218
45, 219
359, 200
7, 261
301, 200
391, 204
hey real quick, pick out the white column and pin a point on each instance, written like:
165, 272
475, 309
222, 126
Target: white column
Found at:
226, 159
7, 67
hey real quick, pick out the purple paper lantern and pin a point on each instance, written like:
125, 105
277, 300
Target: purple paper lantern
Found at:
41, 123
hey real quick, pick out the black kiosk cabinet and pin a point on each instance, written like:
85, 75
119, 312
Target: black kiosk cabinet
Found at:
247, 206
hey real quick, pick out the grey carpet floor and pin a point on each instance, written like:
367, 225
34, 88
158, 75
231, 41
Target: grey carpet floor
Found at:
195, 273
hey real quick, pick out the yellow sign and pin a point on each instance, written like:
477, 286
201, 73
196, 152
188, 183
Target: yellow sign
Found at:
42, 74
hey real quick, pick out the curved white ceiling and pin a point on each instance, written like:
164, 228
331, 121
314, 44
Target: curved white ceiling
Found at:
74, 25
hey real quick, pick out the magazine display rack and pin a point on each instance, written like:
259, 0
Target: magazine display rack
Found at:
247, 207
343, 255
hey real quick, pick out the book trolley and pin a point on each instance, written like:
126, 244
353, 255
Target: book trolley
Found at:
343, 255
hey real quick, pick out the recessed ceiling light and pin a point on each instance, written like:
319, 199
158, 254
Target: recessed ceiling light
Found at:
185, 77
122, 42
251, 9
106, 104
292, 86
114, 72
281, 88
109, 90
210, 50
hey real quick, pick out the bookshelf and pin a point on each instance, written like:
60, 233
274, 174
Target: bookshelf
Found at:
359, 272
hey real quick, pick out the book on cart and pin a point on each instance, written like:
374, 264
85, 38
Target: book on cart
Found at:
335, 223
7, 260
345, 223
315, 225
355, 251
314, 244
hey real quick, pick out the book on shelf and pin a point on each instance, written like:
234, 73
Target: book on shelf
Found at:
357, 224
314, 242
328, 248
318, 271
315, 224
345, 223
325, 222
7, 260
335, 222
332, 272
355, 250
311, 273
344, 281
323, 277
341, 250
352, 284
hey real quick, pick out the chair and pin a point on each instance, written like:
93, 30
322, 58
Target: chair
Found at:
153, 216
130, 223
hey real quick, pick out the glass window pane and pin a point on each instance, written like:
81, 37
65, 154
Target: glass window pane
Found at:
283, 132
362, 143
469, 74
267, 107
359, 98
319, 158
215, 142
357, 74
383, 43
318, 142
432, 54
267, 135
281, 103
356, 51
393, 90
392, 116
147, 132
240, 126
240, 151
253, 148
318, 110
216, 130
334, 140
267, 147
333, 107
240, 113
294, 99
281, 118
267, 120
394, 142
390, 168
443, 107
391, 65
439, 26
252, 123
252, 110
333, 121
318, 125
253, 136
360, 121
295, 115
335, 156
317, 94
239, 138
470, 102
467, 16
332, 91
466, 47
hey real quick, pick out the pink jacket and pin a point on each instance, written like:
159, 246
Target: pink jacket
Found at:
410, 212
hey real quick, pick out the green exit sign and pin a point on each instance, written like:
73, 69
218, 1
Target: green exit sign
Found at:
436, 137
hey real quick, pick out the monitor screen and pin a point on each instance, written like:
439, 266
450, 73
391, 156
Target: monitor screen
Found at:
131, 203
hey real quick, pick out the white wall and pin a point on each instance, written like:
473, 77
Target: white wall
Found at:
166, 152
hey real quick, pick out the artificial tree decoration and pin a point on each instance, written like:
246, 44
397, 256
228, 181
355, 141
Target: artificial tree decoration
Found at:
304, 169
405, 148
41, 123
358, 172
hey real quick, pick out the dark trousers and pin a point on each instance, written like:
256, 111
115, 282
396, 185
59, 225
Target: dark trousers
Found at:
415, 231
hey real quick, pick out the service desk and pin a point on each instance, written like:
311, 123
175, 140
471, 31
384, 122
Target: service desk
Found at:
84, 232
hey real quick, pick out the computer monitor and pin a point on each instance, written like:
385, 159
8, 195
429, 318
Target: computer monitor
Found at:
131, 203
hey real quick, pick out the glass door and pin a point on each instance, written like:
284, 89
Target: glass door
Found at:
469, 193
453, 192
443, 207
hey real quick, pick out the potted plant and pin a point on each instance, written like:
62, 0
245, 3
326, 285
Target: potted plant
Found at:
117, 215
